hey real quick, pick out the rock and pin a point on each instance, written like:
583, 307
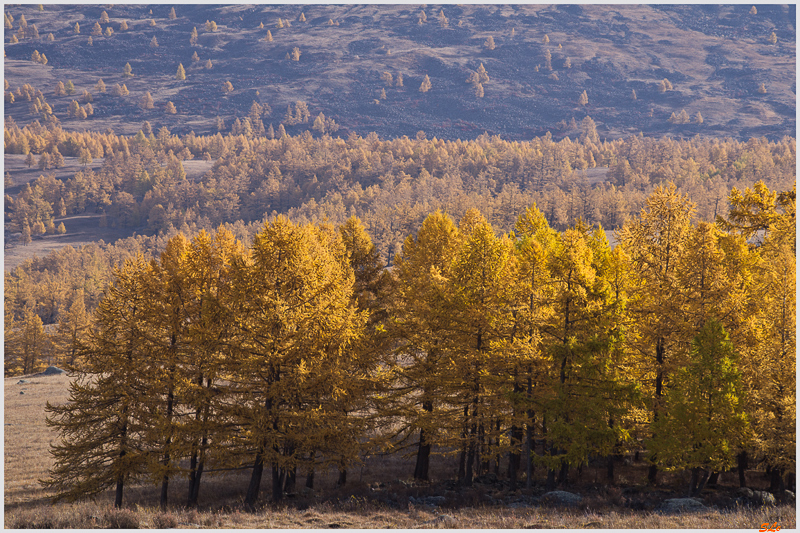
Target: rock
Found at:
755, 498
22, 392
762, 497
561, 497
682, 505
53, 370
22, 381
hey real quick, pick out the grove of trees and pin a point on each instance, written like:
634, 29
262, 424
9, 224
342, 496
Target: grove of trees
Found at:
536, 349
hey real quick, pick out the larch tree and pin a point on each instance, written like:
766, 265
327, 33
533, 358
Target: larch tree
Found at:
181, 74
425, 86
419, 306
127, 71
655, 242
489, 43
101, 426
704, 421
295, 325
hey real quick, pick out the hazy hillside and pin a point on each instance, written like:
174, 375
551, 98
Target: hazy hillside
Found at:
714, 57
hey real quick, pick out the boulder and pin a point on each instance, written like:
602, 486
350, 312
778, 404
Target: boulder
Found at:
755, 498
561, 497
53, 371
682, 505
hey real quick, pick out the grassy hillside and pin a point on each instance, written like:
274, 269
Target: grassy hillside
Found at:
715, 58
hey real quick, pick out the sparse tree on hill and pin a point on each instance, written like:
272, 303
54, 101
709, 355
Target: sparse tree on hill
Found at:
172, 15
211, 26
227, 87
34, 33
22, 22
268, 37
12, 40
567, 63
208, 64
302, 17
753, 10
170, 108
489, 43
545, 39
553, 76
152, 23
261, 26
773, 38
147, 101
762, 89
443, 22
76, 28
88, 109
7, 23
279, 24
104, 17
399, 82
220, 124
633, 94
479, 90
698, 118
195, 57
548, 57
97, 29
35, 56
662, 87
50, 37
120, 90
295, 54
60, 90
82, 114
100, 86
70, 87
123, 26
425, 86
87, 96
154, 42
127, 71
387, 78
26, 240
382, 95
330, 22
29, 160
583, 99
90, 41
193, 37
61, 229
85, 157
109, 31
181, 74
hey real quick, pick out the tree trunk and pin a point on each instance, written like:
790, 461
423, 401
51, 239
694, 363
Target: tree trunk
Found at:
310, 479
424, 451
278, 475
529, 439
255, 483
776, 484
610, 469
291, 480
713, 479
741, 464
514, 455
118, 496
342, 478
693, 482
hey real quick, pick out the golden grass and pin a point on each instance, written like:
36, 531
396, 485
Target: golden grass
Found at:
27, 504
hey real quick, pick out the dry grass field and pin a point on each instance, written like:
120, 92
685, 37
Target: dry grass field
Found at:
379, 493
